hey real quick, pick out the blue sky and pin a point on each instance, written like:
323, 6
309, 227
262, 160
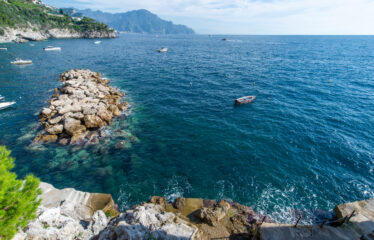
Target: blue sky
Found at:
250, 16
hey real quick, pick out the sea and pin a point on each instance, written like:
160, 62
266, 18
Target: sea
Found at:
304, 145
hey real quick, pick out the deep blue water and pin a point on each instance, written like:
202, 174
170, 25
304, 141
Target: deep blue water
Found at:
306, 143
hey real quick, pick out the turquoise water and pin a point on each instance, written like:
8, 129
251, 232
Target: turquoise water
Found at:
305, 144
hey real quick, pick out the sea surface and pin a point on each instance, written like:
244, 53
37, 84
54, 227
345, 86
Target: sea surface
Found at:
304, 145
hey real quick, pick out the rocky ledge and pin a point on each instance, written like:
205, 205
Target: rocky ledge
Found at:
78, 109
69, 214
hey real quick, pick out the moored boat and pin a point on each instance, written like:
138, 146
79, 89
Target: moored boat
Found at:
51, 48
97, 42
4, 49
246, 99
6, 105
19, 61
162, 50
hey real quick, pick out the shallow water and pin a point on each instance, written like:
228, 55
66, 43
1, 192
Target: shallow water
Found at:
305, 144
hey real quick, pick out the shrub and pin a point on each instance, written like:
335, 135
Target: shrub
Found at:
18, 198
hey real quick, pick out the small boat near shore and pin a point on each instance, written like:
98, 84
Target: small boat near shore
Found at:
97, 42
51, 48
246, 99
4, 49
5, 105
20, 61
162, 50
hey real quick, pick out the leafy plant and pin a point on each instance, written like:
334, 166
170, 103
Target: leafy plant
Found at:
18, 198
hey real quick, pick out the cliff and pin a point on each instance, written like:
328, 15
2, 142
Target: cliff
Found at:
22, 20
70, 214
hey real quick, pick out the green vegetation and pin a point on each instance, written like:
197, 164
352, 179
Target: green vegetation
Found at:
21, 13
18, 198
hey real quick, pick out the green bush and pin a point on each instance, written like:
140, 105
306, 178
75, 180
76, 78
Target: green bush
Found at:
18, 198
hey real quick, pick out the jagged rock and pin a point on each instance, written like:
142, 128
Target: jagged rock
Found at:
93, 121
211, 215
148, 221
56, 129
73, 126
63, 213
105, 115
55, 120
46, 111
98, 223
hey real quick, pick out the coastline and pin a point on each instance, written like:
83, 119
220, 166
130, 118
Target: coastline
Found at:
280, 226
21, 35
72, 214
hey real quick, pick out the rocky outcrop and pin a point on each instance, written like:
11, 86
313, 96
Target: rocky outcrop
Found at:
148, 221
69, 214
35, 34
83, 104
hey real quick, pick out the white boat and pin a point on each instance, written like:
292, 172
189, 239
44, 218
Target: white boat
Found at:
4, 49
6, 105
162, 50
97, 42
21, 62
51, 48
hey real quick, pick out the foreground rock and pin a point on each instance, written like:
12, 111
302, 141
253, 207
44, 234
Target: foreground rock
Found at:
81, 106
69, 214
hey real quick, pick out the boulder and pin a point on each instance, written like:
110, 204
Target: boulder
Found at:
56, 129
55, 120
93, 121
211, 215
73, 126
105, 115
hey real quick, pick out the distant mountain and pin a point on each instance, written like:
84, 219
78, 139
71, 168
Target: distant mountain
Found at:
137, 21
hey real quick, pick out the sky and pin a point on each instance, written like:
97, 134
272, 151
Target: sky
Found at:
257, 17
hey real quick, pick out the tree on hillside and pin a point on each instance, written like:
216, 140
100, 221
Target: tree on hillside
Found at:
18, 197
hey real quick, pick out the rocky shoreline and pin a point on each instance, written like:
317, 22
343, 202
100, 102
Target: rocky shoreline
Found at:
84, 104
32, 34
70, 214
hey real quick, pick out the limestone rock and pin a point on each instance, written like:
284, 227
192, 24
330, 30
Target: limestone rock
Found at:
93, 121
73, 126
56, 129
148, 221
85, 101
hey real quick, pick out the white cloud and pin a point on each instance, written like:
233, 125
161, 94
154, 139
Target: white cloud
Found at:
257, 16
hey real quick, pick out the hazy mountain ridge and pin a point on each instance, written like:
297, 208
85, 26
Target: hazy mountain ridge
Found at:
137, 21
